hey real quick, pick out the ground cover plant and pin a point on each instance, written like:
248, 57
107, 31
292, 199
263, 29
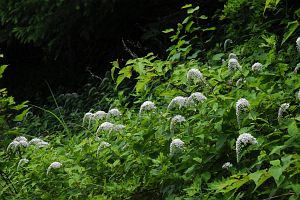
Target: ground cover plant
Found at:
217, 119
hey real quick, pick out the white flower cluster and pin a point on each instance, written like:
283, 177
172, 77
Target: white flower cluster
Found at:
227, 165
226, 43
114, 113
256, 67
175, 120
194, 75
22, 162
232, 55
107, 126
178, 101
18, 142
241, 106
233, 65
283, 107
196, 97
88, 117
240, 81
298, 44
102, 145
297, 68
146, 106
100, 115
54, 165
242, 140
38, 142
176, 146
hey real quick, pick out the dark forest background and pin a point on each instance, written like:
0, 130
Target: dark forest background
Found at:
63, 42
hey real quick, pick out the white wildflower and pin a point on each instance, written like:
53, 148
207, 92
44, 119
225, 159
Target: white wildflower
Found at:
23, 143
178, 101
176, 146
18, 142
196, 97
35, 141
147, 105
106, 126
119, 127
21, 138
88, 117
42, 144
54, 165
298, 44
240, 81
100, 115
227, 165
226, 43
114, 113
194, 75
242, 140
283, 107
13, 145
241, 106
176, 120
233, 65
22, 162
297, 68
232, 55
256, 67
102, 145
38, 142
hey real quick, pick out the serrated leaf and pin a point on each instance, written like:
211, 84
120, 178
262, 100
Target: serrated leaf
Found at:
124, 73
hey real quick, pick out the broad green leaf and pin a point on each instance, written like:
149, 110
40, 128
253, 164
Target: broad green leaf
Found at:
293, 129
276, 172
256, 176
218, 56
124, 73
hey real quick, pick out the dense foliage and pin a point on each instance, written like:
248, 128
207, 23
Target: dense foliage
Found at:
217, 119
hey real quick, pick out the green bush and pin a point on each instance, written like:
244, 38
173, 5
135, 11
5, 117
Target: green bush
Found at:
223, 125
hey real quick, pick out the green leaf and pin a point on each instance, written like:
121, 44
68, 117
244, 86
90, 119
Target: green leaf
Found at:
124, 73
203, 17
2, 68
192, 10
292, 27
293, 129
256, 176
187, 6
199, 160
21, 116
276, 150
218, 56
276, 172
263, 177
115, 66
188, 26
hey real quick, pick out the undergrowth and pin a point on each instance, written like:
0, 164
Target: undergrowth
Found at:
217, 119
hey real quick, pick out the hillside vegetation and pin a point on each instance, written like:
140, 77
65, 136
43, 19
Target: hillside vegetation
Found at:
217, 119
